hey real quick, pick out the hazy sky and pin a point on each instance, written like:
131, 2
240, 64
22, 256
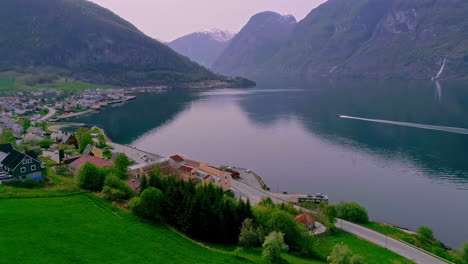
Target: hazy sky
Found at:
167, 20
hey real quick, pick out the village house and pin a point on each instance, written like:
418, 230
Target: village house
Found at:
306, 220
76, 162
201, 172
20, 165
64, 138
91, 150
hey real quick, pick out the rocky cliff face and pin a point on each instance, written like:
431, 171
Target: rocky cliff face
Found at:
260, 39
86, 42
372, 38
203, 47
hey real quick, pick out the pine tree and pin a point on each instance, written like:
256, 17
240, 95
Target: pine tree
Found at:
144, 183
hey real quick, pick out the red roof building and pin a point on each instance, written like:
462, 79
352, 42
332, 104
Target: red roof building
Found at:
306, 220
81, 160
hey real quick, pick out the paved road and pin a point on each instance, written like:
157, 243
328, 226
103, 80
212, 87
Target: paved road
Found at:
391, 244
139, 156
51, 113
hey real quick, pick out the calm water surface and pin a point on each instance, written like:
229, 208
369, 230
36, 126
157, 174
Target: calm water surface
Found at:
290, 135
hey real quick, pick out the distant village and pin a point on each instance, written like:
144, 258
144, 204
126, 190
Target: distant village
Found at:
31, 139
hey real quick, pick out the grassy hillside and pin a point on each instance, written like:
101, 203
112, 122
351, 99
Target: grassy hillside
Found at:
86, 229
48, 40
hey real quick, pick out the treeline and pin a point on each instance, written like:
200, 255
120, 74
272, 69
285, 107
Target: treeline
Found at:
202, 211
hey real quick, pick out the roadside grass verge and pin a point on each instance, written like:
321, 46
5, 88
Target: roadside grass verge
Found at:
370, 252
435, 247
88, 229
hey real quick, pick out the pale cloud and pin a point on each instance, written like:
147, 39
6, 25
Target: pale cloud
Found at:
169, 19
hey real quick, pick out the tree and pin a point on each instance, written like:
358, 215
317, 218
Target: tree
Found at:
46, 143
84, 138
330, 212
116, 189
352, 212
150, 204
101, 141
425, 234
7, 137
144, 183
341, 254
90, 177
26, 123
249, 235
464, 252
283, 222
121, 164
273, 247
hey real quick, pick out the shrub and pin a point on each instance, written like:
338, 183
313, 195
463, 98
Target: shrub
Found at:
352, 212
30, 184
330, 212
341, 254
283, 222
464, 252
90, 177
267, 203
249, 235
425, 234
46, 143
116, 189
149, 205
273, 247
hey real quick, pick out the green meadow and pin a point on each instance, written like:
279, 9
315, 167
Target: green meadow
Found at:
87, 229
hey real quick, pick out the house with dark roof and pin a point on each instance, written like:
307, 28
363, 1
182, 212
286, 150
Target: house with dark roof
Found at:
20, 165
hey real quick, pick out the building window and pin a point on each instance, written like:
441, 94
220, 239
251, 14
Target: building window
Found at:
25, 161
23, 170
33, 167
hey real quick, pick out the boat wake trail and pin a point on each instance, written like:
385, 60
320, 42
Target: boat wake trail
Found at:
457, 130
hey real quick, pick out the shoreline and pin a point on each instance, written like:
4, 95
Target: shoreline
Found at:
93, 110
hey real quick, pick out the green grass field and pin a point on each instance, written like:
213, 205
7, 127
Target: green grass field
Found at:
58, 186
7, 83
370, 252
87, 229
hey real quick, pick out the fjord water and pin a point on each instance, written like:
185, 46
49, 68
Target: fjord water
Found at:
292, 137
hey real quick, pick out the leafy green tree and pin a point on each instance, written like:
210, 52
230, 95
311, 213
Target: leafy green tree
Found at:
330, 212
102, 141
26, 123
249, 235
7, 137
352, 212
46, 143
116, 189
150, 204
340, 254
144, 183
90, 177
425, 234
267, 203
464, 252
121, 164
84, 138
273, 247
283, 222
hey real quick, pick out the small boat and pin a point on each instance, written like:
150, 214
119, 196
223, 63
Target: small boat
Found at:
338, 116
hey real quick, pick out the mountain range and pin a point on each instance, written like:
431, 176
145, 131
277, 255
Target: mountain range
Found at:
202, 47
49, 41
402, 39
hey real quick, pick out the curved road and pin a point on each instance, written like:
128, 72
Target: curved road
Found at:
419, 256
51, 113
